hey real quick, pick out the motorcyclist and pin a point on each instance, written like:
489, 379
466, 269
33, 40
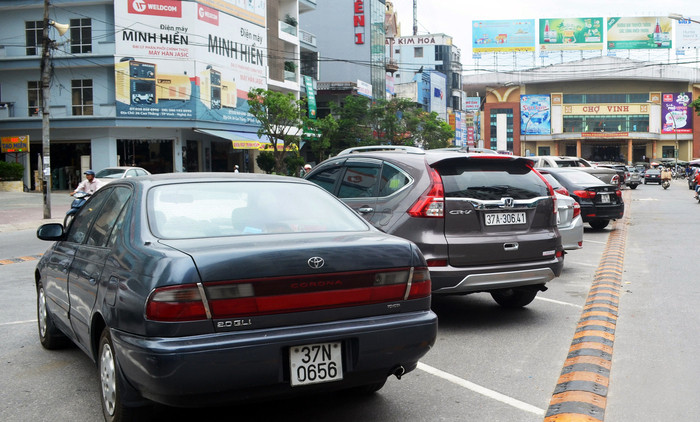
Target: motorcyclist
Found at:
697, 183
89, 185
666, 175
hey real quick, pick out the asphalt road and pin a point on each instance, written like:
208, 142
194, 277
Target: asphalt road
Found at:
488, 363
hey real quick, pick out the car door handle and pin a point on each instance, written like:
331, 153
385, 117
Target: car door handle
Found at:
510, 246
365, 210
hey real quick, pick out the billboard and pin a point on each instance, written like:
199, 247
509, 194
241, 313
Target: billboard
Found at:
639, 33
535, 116
571, 34
503, 35
688, 34
676, 112
188, 60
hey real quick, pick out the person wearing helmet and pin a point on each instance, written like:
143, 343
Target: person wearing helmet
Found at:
89, 185
305, 170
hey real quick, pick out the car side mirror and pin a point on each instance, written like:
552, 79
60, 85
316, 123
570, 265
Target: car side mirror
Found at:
50, 231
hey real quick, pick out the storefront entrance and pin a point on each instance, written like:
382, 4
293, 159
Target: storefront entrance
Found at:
155, 155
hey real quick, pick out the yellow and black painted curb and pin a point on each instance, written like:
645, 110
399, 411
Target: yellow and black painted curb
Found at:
582, 389
20, 259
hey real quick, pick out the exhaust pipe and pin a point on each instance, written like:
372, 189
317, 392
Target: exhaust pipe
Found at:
398, 372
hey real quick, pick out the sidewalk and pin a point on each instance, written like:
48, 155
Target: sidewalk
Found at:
25, 210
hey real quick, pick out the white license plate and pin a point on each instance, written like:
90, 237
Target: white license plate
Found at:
316, 363
505, 218
604, 198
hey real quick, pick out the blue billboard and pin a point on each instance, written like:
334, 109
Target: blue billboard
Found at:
535, 115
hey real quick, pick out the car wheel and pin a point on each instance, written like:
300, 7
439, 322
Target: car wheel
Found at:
633, 186
49, 336
514, 298
599, 224
110, 385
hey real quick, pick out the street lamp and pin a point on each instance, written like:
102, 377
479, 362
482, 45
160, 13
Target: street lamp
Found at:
47, 44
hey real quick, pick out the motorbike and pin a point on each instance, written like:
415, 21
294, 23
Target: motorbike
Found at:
78, 201
665, 184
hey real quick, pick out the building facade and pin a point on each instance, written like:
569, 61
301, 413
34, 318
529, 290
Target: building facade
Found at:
602, 109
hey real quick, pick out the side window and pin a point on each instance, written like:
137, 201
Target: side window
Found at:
545, 163
108, 216
130, 173
327, 178
359, 182
392, 180
87, 214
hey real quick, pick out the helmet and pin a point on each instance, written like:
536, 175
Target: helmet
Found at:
90, 172
307, 167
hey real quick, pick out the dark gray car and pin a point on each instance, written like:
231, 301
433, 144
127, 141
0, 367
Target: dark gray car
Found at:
485, 222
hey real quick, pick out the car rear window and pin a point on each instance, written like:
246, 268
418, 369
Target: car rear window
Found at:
490, 179
581, 178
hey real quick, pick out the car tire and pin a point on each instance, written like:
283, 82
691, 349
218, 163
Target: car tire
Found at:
50, 336
633, 186
514, 298
599, 224
110, 384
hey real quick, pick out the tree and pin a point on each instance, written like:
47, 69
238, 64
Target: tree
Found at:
266, 161
326, 130
281, 117
353, 127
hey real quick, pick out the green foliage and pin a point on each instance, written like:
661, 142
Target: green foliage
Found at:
294, 164
327, 130
11, 171
266, 161
696, 106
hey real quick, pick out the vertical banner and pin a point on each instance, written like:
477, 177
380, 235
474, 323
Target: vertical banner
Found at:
639, 33
676, 112
535, 115
310, 96
501, 132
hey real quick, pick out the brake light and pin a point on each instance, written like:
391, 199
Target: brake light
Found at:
176, 303
432, 203
615, 180
437, 262
585, 194
577, 209
562, 190
618, 193
549, 188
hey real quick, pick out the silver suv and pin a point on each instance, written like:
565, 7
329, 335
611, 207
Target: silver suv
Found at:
485, 222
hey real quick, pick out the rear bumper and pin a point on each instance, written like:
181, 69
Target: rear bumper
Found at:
572, 235
590, 213
453, 280
236, 366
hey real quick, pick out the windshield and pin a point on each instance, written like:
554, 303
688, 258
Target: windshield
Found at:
110, 173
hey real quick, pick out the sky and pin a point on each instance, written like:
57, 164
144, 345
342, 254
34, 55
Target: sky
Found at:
454, 17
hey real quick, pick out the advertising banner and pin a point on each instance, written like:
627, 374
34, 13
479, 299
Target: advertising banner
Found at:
472, 103
535, 116
503, 35
639, 33
688, 34
187, 60
571, 34
676, 112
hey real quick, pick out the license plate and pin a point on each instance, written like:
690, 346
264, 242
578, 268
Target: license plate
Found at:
315, 363
604, 198
505, 218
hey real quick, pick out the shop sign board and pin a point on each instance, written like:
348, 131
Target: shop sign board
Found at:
571, 34
15, 144
472, 103
535, 117
605, 109
189, 59
652, 32
676, 112
503, 35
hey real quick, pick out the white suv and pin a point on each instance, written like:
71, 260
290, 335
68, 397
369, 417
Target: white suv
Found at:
607, 175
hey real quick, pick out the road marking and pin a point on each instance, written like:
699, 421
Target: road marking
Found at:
596, 242
20, 259
18, 322
558, 302
481, 390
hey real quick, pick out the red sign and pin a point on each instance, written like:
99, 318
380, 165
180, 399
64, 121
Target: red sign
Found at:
358, 21
170, 8
207, 14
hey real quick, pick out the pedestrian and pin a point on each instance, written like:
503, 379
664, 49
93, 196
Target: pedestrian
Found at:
90, 185
235, 168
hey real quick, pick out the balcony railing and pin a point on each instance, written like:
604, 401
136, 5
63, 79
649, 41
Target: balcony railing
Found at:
289, 29
307, 37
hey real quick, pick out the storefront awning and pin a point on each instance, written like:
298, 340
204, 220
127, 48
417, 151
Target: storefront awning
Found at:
242, 140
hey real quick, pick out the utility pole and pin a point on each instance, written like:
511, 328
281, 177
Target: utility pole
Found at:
45, 93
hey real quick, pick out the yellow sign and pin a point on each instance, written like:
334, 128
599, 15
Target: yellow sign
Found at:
15, 143
598, 109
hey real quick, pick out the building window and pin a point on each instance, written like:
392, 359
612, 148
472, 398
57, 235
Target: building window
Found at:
607, 123
668, 152
605, 98
81, 90
418, 52
34, 31
34, 97
81, 36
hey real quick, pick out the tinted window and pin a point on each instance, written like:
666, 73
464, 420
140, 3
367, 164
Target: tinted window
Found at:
86, 215
580, 178
359, 182
490, 180
108, 216
327, 178
392, 180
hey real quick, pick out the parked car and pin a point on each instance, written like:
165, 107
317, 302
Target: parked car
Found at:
199, 289
621, 170
607, 175
634, 177
109, 174
600, 202
652, 176
569, 219
485, 222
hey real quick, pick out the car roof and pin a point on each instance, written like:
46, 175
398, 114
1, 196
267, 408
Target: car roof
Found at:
431, 156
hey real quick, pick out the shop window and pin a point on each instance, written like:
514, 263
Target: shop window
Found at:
81, 90
418, 52
33, 31
81, 36
34, 98
543, 151
668, 152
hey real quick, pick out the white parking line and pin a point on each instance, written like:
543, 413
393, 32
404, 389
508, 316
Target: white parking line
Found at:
17, 322
481, 390
595, 241
558, 302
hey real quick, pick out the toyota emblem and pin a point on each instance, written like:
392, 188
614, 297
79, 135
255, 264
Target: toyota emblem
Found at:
316, 262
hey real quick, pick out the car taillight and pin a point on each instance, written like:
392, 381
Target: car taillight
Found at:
585, 194
562, 190
615, 180
577, 209
549, 188
432, 203
618, 193
176, 303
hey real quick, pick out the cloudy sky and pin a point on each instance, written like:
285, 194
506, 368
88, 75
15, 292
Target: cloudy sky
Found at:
454, 17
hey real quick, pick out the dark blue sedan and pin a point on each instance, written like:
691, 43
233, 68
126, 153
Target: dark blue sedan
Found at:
193, 290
